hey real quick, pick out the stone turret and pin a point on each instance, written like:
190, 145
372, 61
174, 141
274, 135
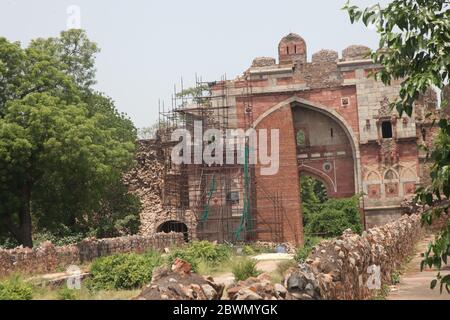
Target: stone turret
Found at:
292, 49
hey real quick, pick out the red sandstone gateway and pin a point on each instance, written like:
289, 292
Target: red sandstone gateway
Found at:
334, 125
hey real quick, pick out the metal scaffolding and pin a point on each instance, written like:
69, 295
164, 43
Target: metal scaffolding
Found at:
217, 199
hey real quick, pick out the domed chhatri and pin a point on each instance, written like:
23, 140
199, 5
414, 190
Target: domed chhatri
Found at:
292, 49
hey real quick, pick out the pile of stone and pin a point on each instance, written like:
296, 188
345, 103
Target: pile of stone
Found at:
257, 288
180, 283
355, 266
302, 284
272, 246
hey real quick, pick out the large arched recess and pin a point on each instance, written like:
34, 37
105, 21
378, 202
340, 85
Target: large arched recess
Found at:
295, 103
174, 226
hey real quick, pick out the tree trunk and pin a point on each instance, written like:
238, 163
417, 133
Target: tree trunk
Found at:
23, 232
25, 218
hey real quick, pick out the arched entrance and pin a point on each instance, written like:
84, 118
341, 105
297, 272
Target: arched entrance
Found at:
324, 150
174, 226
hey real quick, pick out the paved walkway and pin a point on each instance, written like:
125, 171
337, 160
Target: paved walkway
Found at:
414, 284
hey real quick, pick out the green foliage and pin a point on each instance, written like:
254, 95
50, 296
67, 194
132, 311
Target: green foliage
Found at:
65, 293
201, 251
383, 293
248, 250
62, 239
244, 269
395, 277
185, 255
303, 252
414, 38
123, 271
63, 146
15, 288
335, 216
331, 217
8, 242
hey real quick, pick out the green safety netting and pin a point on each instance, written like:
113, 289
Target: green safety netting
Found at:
212, 189
246, 222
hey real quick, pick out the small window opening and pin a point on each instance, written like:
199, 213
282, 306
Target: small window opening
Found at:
295, 49
287, 50
331, 132
301, 138
386, 130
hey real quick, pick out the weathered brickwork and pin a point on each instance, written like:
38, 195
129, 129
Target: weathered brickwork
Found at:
146, 180
334, 124
47, 257
354, 142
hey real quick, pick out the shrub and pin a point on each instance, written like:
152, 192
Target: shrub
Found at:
15, 288
209, 252
245, 269
123, 271
57, 240
302, 253
8, 243
201, 251
334, 216
248, 250
182, 253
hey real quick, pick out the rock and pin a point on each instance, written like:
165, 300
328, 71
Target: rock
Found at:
247, 294
180, 283
259, 288
181, 267
280, 289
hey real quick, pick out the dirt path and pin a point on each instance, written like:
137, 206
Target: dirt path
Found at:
415, 285
267, 262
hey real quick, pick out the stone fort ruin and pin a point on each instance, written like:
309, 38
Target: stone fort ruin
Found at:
334, 124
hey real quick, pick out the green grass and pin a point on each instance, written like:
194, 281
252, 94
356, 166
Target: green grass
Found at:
83, 294
245, 268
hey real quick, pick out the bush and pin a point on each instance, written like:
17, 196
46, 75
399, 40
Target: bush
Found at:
57, 240
209, 252
182, 253
333, 217
15, 288
123, 271
245, 269
201, 251
8, 243
302, 253
248, 250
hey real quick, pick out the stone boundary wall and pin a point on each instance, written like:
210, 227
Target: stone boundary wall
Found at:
341, 268
47, 257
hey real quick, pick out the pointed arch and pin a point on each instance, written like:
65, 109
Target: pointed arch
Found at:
297, 101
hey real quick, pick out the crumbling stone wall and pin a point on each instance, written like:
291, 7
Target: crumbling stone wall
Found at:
344, 268
47, 257
146, 180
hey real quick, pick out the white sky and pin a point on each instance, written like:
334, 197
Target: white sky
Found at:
147, 46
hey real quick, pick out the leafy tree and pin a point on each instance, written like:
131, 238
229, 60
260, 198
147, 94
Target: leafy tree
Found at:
75, 53
415, 48
63, 147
